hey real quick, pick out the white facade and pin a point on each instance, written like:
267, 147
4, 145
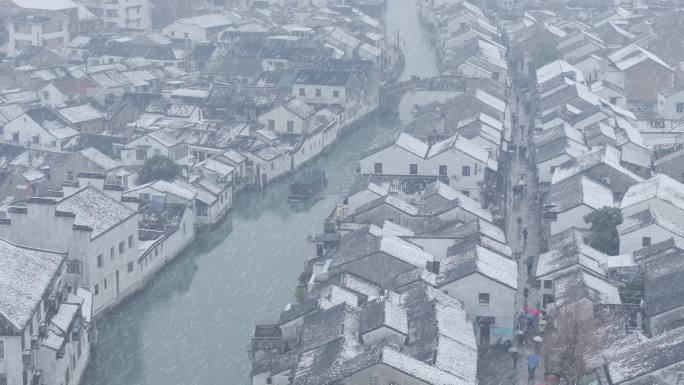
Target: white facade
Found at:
465, 173
501, 305
545, 169
52, 33
282, 120
33, 344
633, 241
122, 14
315, 144
145, 147
153, 255
198, 28
321, 94
25, 131
671, 105
102, 258
571, 218
656, 204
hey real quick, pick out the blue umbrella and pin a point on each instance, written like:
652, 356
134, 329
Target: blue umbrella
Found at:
532, 361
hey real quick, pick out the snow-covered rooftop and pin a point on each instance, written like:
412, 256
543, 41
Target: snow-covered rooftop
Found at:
211, 20
95, 209
25, 276
606, 154
659, 186
100, 159
558, 68
80, 114
631, 55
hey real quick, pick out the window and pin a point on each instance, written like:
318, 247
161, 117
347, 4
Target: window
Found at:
130, 266
15, 136
302, 92
483, 297
122, 247
2, 350
22, 28
105, 283
443, 170
413, 169
680, 107
271, 124
140, 154
377, 168
646, 241
186, 35
318, 92
173, 33
36, 139
156, 249
290, 126
613, 100
548, 284
269, 380
111, 253
373, 380
465, 171
336, 94
466, 193
96, 290
130, 241
70, 176
99, 261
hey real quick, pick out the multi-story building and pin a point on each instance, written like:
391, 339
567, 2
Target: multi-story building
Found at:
104, 235
27, 30
43, 323
121, 14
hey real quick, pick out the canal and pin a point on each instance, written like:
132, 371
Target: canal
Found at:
419, 55
192, 323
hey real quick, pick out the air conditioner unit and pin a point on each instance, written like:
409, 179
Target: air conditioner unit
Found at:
42, 330
60, 352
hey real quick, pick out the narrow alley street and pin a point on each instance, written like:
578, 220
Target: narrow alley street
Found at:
523, 227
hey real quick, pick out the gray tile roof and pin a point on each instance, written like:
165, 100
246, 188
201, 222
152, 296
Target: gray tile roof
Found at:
663, 282
25, 275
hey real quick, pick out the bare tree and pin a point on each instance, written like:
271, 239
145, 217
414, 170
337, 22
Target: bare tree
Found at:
568, 341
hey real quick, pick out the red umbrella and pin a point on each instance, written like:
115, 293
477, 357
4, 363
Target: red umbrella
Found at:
531, 311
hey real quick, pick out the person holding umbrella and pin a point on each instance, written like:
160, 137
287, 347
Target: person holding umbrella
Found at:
537, 343
520, 335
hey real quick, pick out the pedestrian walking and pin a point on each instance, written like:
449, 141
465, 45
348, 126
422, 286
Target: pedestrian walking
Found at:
519, 220
524, 233
520, 336
514, 356
531, 365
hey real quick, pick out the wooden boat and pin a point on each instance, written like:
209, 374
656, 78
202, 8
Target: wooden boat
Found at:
307, 186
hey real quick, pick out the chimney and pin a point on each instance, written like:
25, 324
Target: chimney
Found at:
91, 179
69, 187
113, 191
